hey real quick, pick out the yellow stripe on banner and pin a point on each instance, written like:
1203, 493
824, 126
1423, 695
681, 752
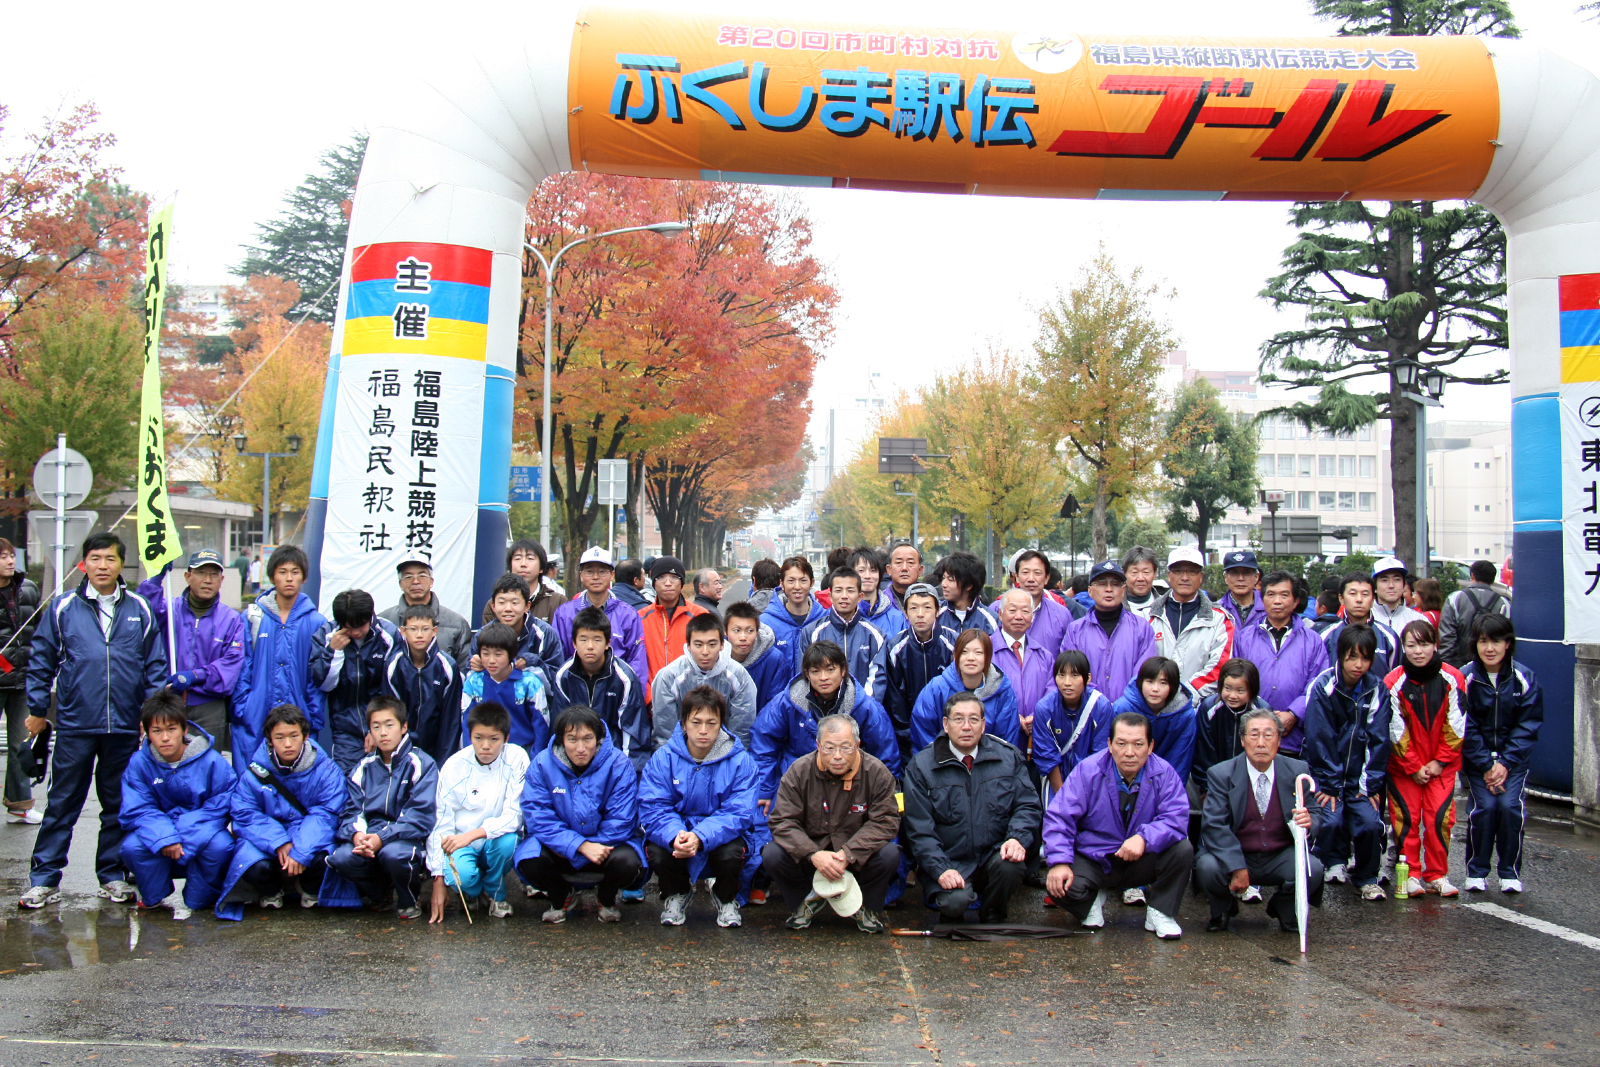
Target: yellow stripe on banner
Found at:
446, 337
1580, 364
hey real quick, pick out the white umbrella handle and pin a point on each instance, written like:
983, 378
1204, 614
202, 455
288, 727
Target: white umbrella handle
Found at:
1300, 784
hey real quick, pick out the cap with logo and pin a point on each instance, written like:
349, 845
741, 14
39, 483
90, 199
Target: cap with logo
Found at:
595, 554
1107, 569
1243, 560
411, 557
1388, 563
1185, 554
206, 557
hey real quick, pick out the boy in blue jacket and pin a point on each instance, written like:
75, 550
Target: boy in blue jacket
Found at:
282, 629
286, 806
753, 646
388, 814
176, 794
599, 679
523, 693
348, 666
425, 679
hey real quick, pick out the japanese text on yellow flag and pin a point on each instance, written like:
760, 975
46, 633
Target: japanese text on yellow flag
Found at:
158, 534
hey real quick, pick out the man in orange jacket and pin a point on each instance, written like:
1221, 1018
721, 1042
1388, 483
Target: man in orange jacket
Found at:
666, 622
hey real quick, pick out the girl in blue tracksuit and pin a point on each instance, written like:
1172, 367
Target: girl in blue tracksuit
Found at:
286, 806
1068, 719
580, 811
1505, 709
1157, 692
176, 793
971, 667
697, 801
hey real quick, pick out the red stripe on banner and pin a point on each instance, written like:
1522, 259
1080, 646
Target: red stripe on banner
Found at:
1580, 292
447, 263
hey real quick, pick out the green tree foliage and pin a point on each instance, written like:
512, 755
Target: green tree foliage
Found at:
1384, 283
75, 371
305, 243
1211, 461
1154, 535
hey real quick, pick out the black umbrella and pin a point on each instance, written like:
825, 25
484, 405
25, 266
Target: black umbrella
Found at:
987, 932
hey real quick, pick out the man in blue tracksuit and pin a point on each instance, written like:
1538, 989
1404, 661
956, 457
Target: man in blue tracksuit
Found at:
99, 650
847, 627
597, 678
282, 629
538, 646
877, 605
176, 796
348, 666
793, 611
961, 576
389, 813
421, 675
913, 658
753, 646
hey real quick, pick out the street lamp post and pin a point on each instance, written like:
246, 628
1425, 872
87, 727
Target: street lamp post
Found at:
549, 265
239, 442
1423, 387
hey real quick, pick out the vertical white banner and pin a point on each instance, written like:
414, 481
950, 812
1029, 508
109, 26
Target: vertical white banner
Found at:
1580, 455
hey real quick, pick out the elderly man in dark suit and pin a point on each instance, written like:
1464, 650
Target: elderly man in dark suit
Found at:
1245, 838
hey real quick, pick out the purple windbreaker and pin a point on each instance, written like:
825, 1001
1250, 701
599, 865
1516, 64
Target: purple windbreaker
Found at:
1085, 818
1116, 660
1050, 621
212, 646
1286, 671
627, 634
1031, 678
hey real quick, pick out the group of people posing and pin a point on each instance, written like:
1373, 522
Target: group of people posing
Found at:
836, 743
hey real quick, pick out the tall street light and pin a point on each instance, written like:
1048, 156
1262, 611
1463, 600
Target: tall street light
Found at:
1423, 386
239, 442
667, 228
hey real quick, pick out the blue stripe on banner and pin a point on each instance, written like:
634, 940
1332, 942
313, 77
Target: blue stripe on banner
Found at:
1580, 328
445, 300
1536, 447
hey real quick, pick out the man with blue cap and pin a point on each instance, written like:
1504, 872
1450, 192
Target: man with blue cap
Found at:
1116, 640
207, 640
1242, 601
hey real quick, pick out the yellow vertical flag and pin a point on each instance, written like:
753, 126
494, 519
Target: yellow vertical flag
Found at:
158, 534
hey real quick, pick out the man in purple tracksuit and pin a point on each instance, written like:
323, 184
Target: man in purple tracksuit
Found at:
1287, 652
1022, 657
208, 642
1116, 640
1029, 571
595, 571
1120, 820
1242, 601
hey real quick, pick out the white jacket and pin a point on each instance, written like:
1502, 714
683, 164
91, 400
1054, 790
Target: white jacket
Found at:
1396, 619
473, 795
1203, 647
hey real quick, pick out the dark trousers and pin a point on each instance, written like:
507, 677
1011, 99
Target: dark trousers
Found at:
1164, 876
268, 877
400, 864
554, 873
794, 877
19, 787
348, 749
77, 760
1266, 868
1357, 825
1495, 822
724, 863
212, 717
995, 881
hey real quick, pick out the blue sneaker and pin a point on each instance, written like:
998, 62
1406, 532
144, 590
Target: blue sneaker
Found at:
632, 896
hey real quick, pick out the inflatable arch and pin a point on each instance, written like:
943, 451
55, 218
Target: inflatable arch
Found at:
413, 452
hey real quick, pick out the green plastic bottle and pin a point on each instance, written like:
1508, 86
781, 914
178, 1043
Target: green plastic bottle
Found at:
1402, 875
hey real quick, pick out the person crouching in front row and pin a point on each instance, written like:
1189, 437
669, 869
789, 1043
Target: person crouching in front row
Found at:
479, 814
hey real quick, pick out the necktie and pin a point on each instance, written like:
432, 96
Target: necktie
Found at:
1016, 646
1263, 793
967, 762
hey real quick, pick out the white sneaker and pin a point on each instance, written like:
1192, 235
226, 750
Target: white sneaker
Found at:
117, 891
1163, 926
1251, 894
610, 913
1338, 874
273, 901
499, 909
1373, 892
1443, 887
1511, 885
40, 895
1133, 897
180, 910
307, 900
1414, 887
1097, 912
30, 817
728, 914
1476, 885
554, 915
675, 910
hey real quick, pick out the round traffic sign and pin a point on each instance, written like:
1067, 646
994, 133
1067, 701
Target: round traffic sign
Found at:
78, 481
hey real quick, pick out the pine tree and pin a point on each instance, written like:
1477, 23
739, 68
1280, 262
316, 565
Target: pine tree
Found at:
1384, 283
305, 244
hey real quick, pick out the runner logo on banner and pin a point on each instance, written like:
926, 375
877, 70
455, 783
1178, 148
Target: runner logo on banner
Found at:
1580, 454
158, 534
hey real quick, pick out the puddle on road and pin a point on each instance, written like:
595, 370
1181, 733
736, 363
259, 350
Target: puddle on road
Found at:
61, 938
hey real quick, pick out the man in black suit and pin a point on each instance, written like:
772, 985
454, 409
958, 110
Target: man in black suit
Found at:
1244, 836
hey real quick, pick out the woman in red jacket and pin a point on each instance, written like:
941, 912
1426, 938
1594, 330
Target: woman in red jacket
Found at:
1427, 698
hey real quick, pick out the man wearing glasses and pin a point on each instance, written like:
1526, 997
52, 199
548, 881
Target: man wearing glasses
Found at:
416, 587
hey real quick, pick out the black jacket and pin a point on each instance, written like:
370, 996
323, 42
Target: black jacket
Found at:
18, 602
955, 818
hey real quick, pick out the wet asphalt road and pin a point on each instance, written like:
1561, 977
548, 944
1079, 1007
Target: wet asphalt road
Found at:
1421, 982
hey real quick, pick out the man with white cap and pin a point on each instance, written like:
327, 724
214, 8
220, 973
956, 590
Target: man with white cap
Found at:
834, 826
1389, 595
1189, 628
416, 587
595, 573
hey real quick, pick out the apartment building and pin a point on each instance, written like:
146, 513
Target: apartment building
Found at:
1469, 490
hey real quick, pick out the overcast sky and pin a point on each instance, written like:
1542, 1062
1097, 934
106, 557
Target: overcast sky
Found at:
229, 106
